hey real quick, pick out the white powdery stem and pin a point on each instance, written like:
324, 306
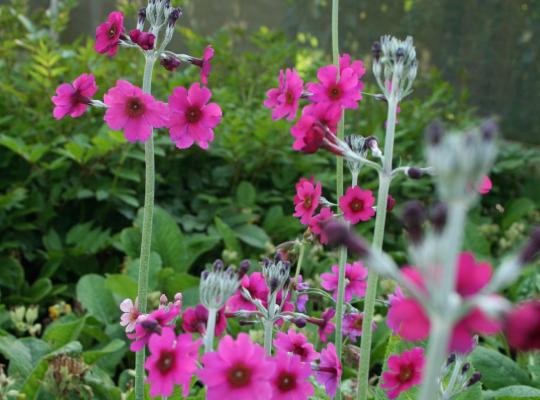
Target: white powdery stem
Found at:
210, 330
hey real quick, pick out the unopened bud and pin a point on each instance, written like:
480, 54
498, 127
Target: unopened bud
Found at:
376, 50
163, 299
243, 268
413, 218
390, 203
465, 368
489, 129
300, 322
531, 248
434, 133
218, 265
438, 216
414, 173
451, 358
474, 378
173, 16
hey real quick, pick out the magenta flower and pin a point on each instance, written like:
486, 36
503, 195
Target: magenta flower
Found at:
306, 199
342, 90
108, 34
315, 129
352, 325
355, 274
357, 205
357, 66
130, 314
256, 286
404, 371
149, 324
194, 320
329, 371
238, 370
522, 326
316, 223
485, 185
324, 324
204, 63
284, 100
172, 361
290, 380
73, 98
191, 118
302, 299
407, 317
133, 111
296, 343
145, 40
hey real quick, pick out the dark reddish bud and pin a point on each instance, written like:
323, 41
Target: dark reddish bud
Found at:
339, 234
531, 248
413, 218
438, 216
170, 63
376, 50
243, 268
173, 16
451, 358
390, 203
145, 40
474, 378
300, 322
218, 265
434, 133
465, 368
151, 325
489, 129
142, 15
414, 173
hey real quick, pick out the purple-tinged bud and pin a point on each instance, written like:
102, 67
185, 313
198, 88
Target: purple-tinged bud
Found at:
300, 322
173, 16
465, 368
204, 275
531, 248
434, 133
474, 378
151, 325
218, 265
243, 268
142, 16
163, 299
414, 173
438, 216
170, 63
339, 234
178, 297
451, 358
413, 218
370, 143
376, 50
274, 284
400, 54
390, 203
489, 129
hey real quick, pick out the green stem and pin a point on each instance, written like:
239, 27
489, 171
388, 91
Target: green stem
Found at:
146, 240
210, 329
339, 193
378, 237
300, 261
269, 324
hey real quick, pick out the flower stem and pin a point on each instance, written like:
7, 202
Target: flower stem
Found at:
210, 330
269, 324
300, 261
339, 193
146, 240
378, 237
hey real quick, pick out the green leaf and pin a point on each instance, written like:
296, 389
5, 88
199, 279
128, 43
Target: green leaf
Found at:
60, 332
245, 195
497, 370
197, 245
20, 360
231, 242
122, 285
92, 356
513, 393
93, 294
155, 267
11, 273
130, 241
253, 235
174, 282
516, 210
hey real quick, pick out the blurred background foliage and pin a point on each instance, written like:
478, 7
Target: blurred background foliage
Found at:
71, 191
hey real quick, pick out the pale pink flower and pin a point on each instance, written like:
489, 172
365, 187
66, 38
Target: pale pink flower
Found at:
130, 313
315, 225
342, 90
73, 98
355, 275
172, 361
133, 111
404, 371
191, 118
284, 100
357, 204
290, 380
296, 343
485, 185
306, 200
108, 34
329, 371
238, 370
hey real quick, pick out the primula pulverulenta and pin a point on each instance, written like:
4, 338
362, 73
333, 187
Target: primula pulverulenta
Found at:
356, 275
290, 379
296, 343
329, 370
73, 99
109, 33
404, 371
284, 100
357, 205
306, 200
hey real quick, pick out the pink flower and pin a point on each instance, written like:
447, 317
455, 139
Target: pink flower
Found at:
204, 63
194, 320
325, 325
315, 225
355, 274
306, 199
238, 370
407, 317
130, 314
290, 380
147, 325
302, 299
172, 361
342, 91
108, 34
329, 371
404, 371
73, 98
133, 111
284, 99
357, 66
315, 129
145, 40
256, 286
191, 118
522, 326
485, 185
390, 203
296, 343
357, 205
352, 325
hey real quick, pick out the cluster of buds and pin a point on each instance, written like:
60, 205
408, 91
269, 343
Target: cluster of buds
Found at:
6, 386
276, 273
65, 378
220, 283
59, 309
361, 145
456, 376
24, 319
395, 66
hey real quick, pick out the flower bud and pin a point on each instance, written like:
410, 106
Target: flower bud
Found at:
376, 50
300, 322
531, 248
474, 378
414, 173
390, 203
339, 234
438, 216
170, 63
465, 368
413, 218
243, 268
434, 133
173, 16
489, 129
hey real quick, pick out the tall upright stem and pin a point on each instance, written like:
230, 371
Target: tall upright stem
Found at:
268, 324
210, 330
146, 240
339, 193
378, 237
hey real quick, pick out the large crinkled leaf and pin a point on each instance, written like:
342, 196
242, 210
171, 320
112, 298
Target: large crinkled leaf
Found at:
497, 370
